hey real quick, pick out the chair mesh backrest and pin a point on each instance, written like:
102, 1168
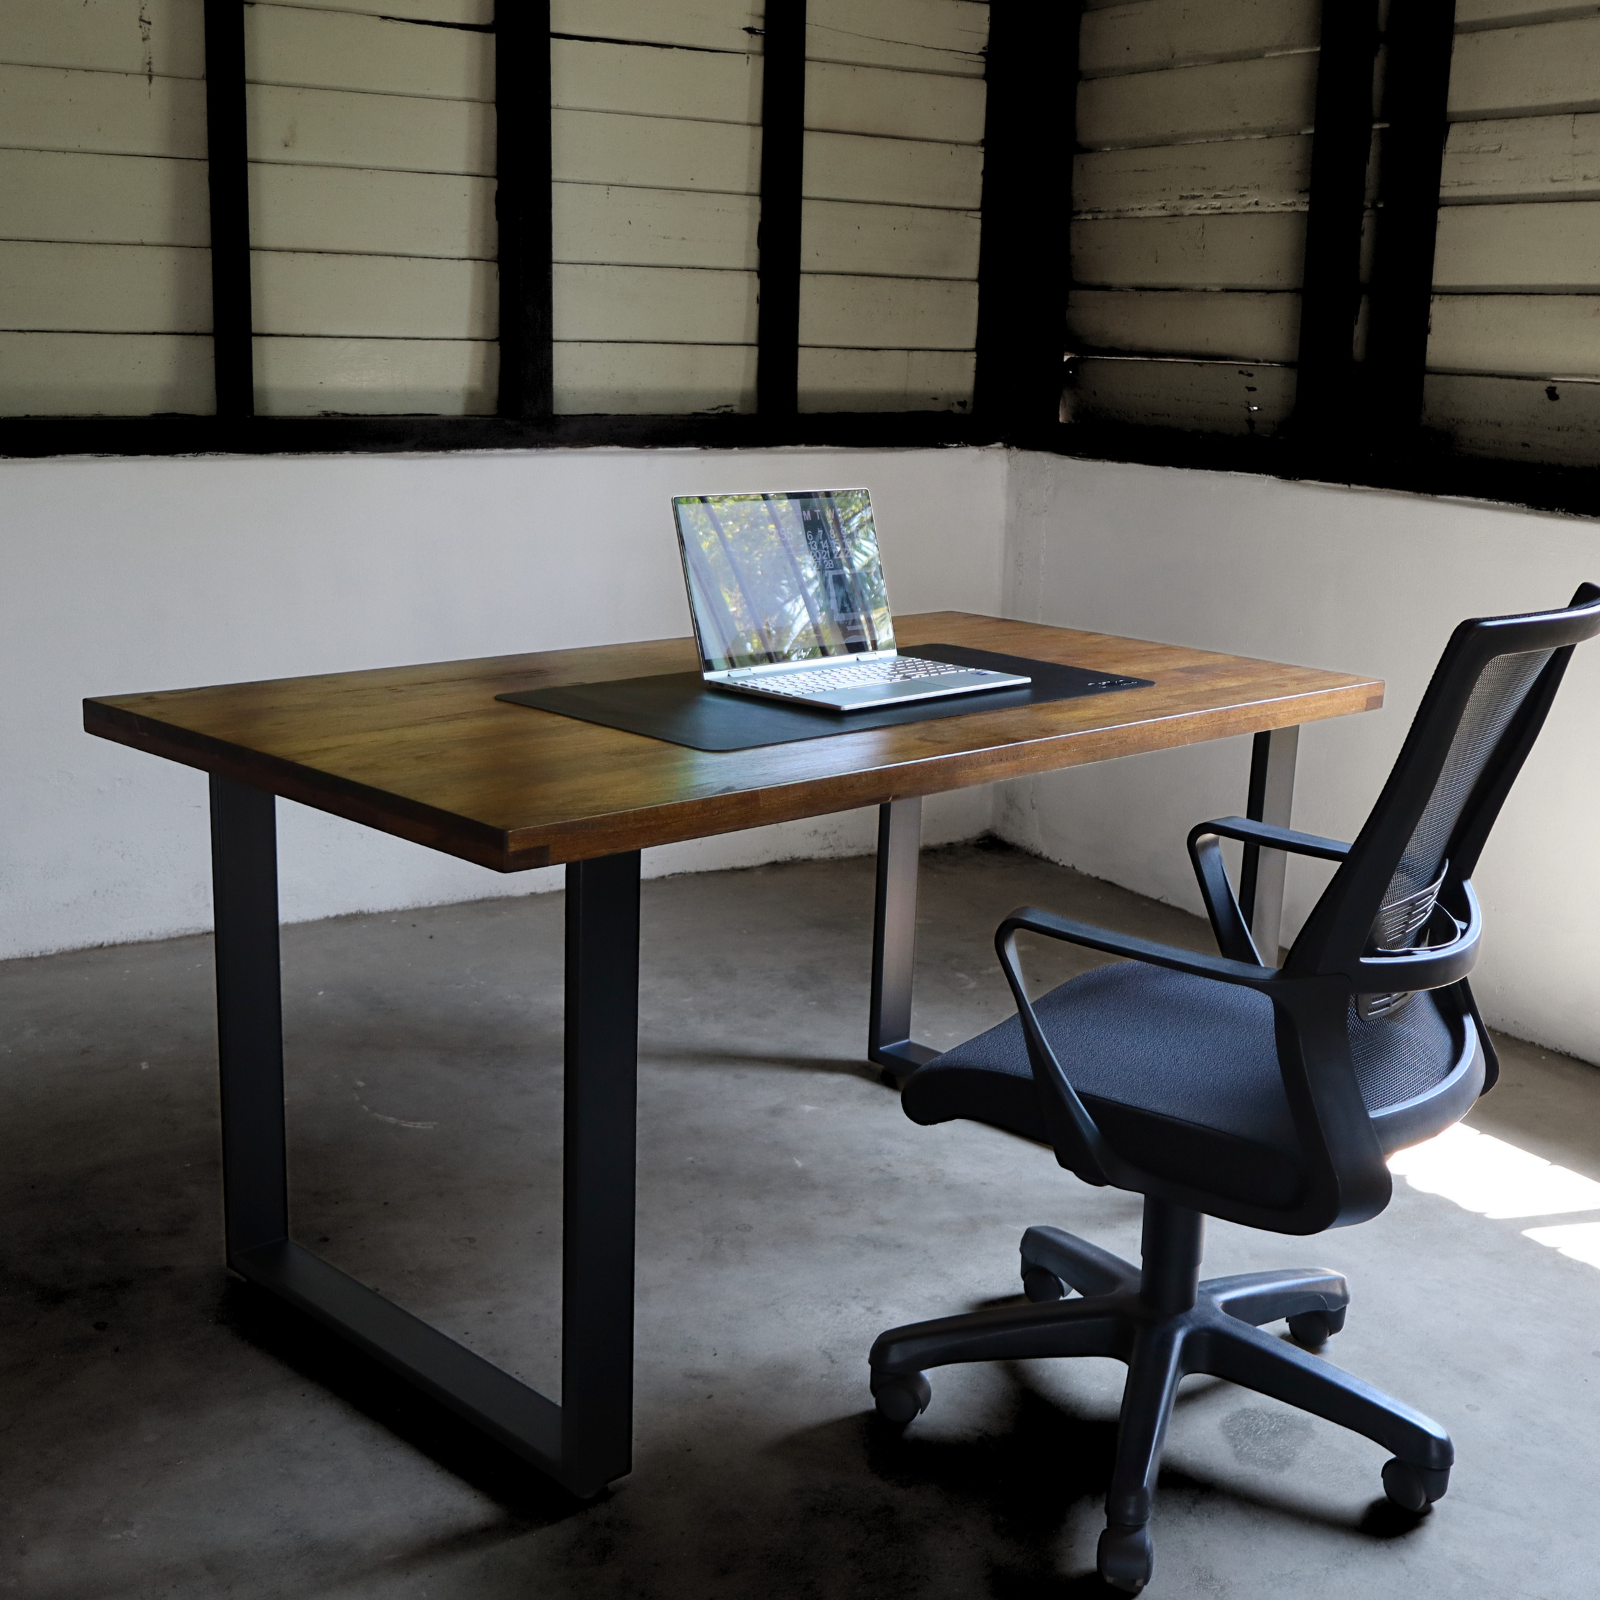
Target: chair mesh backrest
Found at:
1496, 698
1408, 902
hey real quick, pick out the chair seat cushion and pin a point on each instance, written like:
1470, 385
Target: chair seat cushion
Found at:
1181, 1074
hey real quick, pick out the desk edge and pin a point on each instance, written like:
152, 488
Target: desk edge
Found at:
509, 850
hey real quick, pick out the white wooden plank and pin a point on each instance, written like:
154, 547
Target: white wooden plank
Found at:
887, 313
699, 85
1168, 33
1208, 397
895, 105
654, 305
373, 297
1520, 71
1539, 335
885, 380
1186, 179
888, 241
93, 199
329, 127
371, 213
945, 36
105, 288
1184, 322
1251, 251
111, 113
654, 227
339, 50
1276, 95
1518, 419
731, 25
165, 38
460, 13
1554, 246
644, 378
655, 152
315, 377
908, 172
1523, 158
1475, 14
104, 374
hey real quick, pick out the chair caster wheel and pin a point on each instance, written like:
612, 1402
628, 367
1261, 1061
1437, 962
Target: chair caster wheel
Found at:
1313, 1329
1414, 1488
901, 1396
1125, 1558
1040, 1284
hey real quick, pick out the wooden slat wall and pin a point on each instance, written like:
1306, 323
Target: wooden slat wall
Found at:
105, 292
372, 206
893, 181
1514, 353
657, 165
1189, 201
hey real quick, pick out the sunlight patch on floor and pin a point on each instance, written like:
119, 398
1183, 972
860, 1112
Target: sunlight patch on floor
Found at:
1487, 1175
1580, 1240
1495, 1179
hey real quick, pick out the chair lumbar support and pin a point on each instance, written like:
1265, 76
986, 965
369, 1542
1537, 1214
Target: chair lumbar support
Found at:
1164, 1323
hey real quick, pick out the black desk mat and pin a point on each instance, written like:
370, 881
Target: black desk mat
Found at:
679, 708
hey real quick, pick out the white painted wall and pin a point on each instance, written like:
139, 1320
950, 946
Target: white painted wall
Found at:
1347, 579
122, 575
149, 574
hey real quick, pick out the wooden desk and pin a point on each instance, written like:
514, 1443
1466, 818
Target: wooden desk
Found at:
428, 753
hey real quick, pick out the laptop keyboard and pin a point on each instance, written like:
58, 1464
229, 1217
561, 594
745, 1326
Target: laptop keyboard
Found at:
896, 669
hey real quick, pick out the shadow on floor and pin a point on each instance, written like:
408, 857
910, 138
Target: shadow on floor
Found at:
1018, 1493
526, 1495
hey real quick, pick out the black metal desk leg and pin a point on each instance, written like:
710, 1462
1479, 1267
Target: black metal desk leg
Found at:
894, 943
587, 1441
244, 870
602, 1052
1271, 797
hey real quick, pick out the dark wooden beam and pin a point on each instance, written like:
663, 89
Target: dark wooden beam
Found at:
522, 207
1421, 35
1023, 268
228, 173
1326, 397
783, 122
1419, 469
1422, 467
188, 435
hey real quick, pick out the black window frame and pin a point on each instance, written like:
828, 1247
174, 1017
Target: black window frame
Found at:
1355, 424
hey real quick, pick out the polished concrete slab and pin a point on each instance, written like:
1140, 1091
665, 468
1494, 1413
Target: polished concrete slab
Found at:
163, 1432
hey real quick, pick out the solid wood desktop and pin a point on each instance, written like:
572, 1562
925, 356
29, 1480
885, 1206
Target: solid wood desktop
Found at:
427, 753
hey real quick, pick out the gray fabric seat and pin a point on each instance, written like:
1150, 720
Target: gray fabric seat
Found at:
1181, 1074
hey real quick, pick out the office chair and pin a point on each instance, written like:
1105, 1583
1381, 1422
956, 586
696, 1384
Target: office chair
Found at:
1224, 1086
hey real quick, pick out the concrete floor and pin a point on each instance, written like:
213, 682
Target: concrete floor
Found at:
163, 1432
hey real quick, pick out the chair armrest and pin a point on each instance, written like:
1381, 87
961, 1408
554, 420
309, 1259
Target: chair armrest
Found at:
1253, 832
1079, 1144
1222, 904
1032, 920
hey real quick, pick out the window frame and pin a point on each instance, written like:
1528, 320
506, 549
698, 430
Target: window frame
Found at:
1335, 436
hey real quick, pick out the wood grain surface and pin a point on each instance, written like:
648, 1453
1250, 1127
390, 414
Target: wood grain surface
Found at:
428, 754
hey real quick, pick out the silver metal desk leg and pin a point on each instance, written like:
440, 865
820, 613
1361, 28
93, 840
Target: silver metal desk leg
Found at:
1272, 758
586, 1441
894, 943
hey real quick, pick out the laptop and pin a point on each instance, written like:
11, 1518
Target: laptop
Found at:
788, 601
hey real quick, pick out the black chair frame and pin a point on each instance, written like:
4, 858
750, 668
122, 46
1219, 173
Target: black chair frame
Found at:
1161, 1319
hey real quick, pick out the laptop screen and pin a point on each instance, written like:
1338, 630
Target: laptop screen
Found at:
792, 576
